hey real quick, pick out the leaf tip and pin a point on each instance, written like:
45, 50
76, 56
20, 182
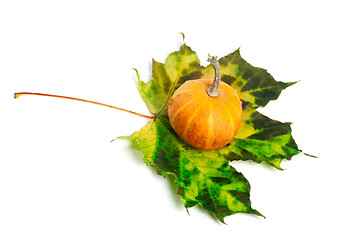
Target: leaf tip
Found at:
310, 155
137, 73
237, 51
276, 164
257, 213
292, 83
183, 37
121, 137
220, 218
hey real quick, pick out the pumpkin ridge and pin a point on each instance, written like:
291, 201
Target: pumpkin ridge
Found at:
209, 140
188, 123
235, 108
182, 107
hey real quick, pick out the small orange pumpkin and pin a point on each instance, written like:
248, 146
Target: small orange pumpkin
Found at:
206, 113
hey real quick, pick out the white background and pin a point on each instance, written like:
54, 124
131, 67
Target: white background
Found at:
62, 178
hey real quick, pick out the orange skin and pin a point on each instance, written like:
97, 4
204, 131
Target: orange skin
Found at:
205, 122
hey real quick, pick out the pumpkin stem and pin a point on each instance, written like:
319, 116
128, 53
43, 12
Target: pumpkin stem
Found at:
213, 89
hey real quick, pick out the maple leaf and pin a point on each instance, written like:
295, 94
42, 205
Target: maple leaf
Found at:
206, 177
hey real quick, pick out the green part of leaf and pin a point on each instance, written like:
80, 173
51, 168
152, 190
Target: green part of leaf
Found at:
261, 139
254, 85
179, 67
203, 177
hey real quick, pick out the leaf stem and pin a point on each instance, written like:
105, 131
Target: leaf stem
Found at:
16, 95
213, 89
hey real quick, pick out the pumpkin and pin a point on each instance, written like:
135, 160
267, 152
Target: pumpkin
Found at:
205, 113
